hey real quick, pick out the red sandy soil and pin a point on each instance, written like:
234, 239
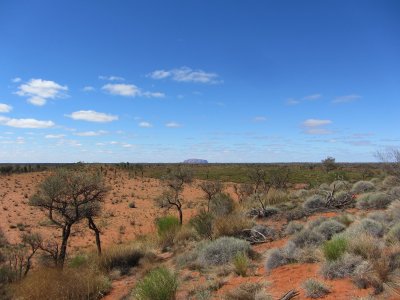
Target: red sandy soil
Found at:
120, 223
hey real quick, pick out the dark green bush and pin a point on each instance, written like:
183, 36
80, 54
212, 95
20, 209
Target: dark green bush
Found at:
159, 284
335, 248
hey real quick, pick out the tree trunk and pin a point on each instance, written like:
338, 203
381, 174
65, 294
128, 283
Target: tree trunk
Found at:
180, 215
93, 227
63, 251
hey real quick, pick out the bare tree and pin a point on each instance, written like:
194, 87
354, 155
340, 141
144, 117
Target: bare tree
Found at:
175, 182
391, 160
210, 189
243, 191
70, 196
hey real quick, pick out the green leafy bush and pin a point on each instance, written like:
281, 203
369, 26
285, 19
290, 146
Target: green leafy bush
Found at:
335, 248
158, 284
203, 224
241, 263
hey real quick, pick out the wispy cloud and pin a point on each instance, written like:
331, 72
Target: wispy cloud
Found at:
346, 99
25, 123
316, 126
5, 108
173, 125
91, 133
54, 136
130, 90
88, 88
111, 78
312, 97
292, 101
92, 116
39, 91
16, 79
145, 125
259, 119
186, 74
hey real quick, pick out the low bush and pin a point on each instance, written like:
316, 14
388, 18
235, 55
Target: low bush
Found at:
69, 284
307, 237
395, 192
329, 228
315, 289
281, 256
365, 246
241, 263
339, 185
222, 251
121, 257
231, 225
247, 291
342, 267
335, 248
374, 200
158, 284
293, 227
295, 214
167, 227
390, 181
315, 203
372, 227
394, 210
203, 224
345, 219
222, 204
394, 233
362, 187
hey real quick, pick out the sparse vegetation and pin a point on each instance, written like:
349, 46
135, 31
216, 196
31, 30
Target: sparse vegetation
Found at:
315, 289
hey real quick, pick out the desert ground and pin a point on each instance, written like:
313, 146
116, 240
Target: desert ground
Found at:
128, 218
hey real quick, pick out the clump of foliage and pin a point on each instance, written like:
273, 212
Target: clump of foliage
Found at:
158, 284
315, 203
293, 227
335, 248
222, 251
315, 289
362, 187
374, 200
342, 267
329, 228
221, 205
241, 263
203, 224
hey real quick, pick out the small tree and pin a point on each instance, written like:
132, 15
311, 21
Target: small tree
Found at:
210, 189
329, 163
175, 182
70, 196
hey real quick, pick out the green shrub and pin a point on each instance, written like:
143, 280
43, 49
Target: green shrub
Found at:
222, 251
374, 200
394, 233
241, 263
167, 224
315, 289
362, 187
158, 284
78, 261
203, 224
335, 248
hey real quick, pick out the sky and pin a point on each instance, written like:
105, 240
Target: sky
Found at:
226, 81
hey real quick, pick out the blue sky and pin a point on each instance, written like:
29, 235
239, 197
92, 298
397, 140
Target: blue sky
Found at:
227, 81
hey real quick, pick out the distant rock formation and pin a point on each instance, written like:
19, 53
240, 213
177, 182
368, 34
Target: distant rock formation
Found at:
195, 161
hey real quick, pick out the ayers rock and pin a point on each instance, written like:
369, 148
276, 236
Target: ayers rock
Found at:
195, 161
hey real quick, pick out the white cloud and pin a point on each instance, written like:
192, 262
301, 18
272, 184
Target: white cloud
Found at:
91, 133
16, 79
145, 124
186, 74
54, 136
316, 122
128, 145
88, 88
173, 125
346, 98
5, 108
92, 116
25, 123
112, 78
39, 91
315, 126
312, 97
129, 90
260, 119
